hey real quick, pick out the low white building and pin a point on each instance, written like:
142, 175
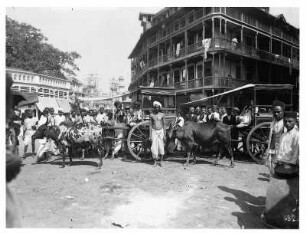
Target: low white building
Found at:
51, 91
43, 85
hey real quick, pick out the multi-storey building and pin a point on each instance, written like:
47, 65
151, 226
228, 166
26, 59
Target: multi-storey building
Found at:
200, 52
43, 85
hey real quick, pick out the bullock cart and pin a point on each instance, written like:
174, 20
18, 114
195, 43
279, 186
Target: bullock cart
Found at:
138, 140
253, 139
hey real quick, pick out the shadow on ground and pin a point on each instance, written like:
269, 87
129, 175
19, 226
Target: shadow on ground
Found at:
251, 208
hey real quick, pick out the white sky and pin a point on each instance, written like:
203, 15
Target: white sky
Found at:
104, 37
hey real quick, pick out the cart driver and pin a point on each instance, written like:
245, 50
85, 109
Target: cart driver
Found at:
157, 132
245, 118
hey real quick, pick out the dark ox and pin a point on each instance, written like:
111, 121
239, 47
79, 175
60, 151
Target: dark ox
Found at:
207, 134
82, 136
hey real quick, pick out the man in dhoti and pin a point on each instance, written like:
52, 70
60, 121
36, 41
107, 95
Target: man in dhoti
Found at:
157, 132
29, 128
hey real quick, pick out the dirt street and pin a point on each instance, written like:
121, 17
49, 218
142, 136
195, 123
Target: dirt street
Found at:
130, 194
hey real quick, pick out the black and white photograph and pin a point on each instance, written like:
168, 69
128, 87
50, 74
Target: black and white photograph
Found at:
151, 117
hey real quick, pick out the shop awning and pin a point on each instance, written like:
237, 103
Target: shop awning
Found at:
64, 104
23, 98
45, 102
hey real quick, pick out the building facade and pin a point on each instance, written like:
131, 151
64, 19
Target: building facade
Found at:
204, 51
43, 85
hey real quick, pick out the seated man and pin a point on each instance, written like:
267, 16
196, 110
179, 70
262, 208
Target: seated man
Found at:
245, 118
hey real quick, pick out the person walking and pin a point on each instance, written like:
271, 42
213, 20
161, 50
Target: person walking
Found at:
157, 132
29, 128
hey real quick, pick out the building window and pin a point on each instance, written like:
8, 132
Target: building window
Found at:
207, 69
191, 72
15, 76
19, 77
25, 89
15, 88
176, 76
33, 89
199, 71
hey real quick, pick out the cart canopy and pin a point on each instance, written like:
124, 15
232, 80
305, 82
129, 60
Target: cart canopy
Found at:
248, 86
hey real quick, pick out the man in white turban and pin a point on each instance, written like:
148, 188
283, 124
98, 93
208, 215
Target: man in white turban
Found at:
156, 103
157, 132
59, 118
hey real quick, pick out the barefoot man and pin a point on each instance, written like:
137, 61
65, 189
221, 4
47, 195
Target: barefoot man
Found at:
157, 132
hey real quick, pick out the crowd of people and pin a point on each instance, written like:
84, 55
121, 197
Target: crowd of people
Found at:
25, 125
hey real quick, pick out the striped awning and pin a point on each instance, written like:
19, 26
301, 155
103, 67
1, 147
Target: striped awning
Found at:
46, 102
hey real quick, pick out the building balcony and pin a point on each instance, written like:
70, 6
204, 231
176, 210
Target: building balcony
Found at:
210, 82
198, 15
219, 44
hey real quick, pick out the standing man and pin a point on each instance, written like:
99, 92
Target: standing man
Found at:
276, 130
59, 118
157, 132
29, 128
51, 116
191, 116
101, 117
179, 121
288, 153
282, 199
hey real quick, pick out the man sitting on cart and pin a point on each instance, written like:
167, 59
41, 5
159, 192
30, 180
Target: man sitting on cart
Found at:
245, 118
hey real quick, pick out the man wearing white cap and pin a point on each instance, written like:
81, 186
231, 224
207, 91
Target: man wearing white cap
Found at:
157, 132
59, 118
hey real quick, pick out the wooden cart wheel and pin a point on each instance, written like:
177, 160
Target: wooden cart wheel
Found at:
139, 142
257, 142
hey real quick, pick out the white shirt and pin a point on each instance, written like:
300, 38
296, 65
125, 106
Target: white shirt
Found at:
101, 117
42, 120
59, 119
179, 121
289, 147
29, 122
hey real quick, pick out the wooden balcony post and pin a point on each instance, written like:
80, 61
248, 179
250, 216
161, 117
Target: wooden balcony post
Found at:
220, 28
241, 63
225, 26
158, 53
158, 79
224, 55
219, 69
186, 42
241, 35
282, 49
270, 45
186, 71
213, 28
213, 66
203, 32
256, 40
171, 81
